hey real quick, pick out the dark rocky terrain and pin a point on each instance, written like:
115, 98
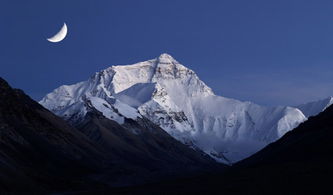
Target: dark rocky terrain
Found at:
38, 150
142, 150
301, 162
41, 153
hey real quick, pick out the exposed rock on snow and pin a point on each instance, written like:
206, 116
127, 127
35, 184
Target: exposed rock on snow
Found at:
173, 97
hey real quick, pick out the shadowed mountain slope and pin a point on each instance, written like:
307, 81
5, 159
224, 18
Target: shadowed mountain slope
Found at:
40, 152
38, 149
301, 162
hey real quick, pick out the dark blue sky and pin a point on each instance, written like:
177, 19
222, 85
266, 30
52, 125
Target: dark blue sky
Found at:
269, 52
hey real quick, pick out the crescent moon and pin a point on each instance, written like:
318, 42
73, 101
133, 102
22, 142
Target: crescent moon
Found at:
60, 35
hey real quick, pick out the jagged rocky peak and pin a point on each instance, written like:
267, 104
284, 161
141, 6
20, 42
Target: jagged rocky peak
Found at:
173, 97
160, 70
166, 57
169, 68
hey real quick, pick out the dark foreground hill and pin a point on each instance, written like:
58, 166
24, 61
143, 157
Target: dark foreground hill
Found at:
41, 153
301, 162
38, 150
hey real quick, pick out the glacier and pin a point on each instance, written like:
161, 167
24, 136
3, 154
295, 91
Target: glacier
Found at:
173, 97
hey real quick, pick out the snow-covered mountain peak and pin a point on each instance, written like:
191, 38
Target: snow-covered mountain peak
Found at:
173, 97
165, 58
164, 70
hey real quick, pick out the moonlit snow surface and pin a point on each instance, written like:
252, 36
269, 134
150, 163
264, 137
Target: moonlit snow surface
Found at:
60, 35
173, 97
315, 107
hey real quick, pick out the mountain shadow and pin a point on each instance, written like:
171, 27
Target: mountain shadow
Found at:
42, 153
301, 162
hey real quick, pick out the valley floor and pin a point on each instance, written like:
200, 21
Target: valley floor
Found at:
269, 179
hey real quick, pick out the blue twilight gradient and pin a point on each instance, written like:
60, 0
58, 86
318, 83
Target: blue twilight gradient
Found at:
271, 52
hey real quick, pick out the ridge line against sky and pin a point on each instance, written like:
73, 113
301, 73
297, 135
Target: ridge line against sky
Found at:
267, 52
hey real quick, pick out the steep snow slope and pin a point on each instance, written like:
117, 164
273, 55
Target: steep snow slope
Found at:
315, 107
173, 97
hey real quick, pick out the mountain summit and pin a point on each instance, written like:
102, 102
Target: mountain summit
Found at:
174, 98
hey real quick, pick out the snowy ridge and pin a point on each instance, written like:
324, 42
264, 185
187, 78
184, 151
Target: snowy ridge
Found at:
72, 102
315, 107
173, 97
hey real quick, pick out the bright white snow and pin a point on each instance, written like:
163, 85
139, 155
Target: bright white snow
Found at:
315, 107
173, 97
